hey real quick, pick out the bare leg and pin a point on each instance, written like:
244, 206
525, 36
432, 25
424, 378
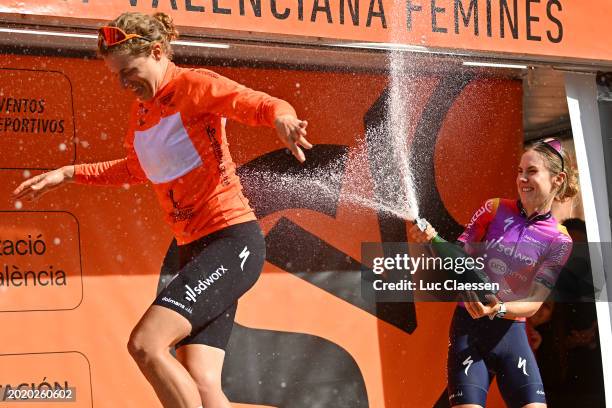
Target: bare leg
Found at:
149, 345
205, 364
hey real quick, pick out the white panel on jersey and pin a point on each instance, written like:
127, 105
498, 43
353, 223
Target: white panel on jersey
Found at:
165, 151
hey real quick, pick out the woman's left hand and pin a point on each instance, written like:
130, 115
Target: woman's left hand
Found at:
292, 132
477, 309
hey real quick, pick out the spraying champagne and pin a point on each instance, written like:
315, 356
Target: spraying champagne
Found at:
443, 248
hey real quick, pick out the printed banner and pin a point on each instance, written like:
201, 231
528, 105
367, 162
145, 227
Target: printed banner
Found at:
35, 380
552, 28
36, 118
40, 261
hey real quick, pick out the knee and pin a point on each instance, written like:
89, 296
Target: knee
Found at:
208, 381
141, 350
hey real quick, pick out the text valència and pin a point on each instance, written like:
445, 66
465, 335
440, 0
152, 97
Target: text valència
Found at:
26, 248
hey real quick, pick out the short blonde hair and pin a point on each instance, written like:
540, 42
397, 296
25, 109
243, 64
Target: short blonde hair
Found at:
158, 28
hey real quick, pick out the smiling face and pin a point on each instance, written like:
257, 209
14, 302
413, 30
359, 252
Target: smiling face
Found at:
536, 184
141, 74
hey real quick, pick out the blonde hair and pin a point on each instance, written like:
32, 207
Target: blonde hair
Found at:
553, 163
158, 28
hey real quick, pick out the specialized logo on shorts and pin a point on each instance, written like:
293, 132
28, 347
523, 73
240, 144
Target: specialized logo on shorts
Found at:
523, 364
244, 255
191, 294
468, 362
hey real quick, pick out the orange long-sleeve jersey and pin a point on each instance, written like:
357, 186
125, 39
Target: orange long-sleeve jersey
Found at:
177, 141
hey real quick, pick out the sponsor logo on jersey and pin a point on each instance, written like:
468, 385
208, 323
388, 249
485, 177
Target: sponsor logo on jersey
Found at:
179, 214
487, 207
510, 251
508, 222
535, 241
497, 266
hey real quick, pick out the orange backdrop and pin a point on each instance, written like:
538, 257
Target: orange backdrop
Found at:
110, 242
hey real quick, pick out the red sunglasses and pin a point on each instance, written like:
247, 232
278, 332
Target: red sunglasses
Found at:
111, 36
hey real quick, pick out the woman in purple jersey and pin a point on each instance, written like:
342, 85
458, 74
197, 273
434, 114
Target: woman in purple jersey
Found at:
525, 249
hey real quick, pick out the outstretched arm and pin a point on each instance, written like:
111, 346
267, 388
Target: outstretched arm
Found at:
114, 172
35, 187
217, 94
108, 173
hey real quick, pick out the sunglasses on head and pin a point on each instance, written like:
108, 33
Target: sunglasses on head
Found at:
555, 147
111, 36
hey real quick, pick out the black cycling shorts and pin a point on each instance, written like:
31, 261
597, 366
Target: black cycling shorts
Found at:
482, 348
214, 272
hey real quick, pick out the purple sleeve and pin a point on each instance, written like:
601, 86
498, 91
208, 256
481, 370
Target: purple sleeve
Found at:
477, 227
558, 254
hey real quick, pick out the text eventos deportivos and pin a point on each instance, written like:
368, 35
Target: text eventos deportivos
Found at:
14, 108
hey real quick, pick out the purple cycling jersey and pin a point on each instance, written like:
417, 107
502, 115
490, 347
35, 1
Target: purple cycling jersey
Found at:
518, 250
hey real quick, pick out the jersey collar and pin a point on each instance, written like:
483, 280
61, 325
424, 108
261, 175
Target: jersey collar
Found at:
171, 72
169, 75
534, 217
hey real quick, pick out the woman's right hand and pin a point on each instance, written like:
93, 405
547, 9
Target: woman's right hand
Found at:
33, 188
422, 237
292, 132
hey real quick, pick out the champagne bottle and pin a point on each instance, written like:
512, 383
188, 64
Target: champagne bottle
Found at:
444, 249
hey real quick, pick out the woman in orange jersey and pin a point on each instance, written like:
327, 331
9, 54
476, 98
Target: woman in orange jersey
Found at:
176, 140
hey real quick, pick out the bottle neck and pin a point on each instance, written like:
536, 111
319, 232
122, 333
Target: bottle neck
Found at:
438, 239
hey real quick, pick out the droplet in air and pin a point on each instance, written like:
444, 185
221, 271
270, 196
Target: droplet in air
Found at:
62, 147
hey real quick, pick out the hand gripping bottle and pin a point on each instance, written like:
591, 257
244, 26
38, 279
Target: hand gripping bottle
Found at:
444, 249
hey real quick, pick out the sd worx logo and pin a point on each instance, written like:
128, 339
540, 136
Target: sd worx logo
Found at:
191, 294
